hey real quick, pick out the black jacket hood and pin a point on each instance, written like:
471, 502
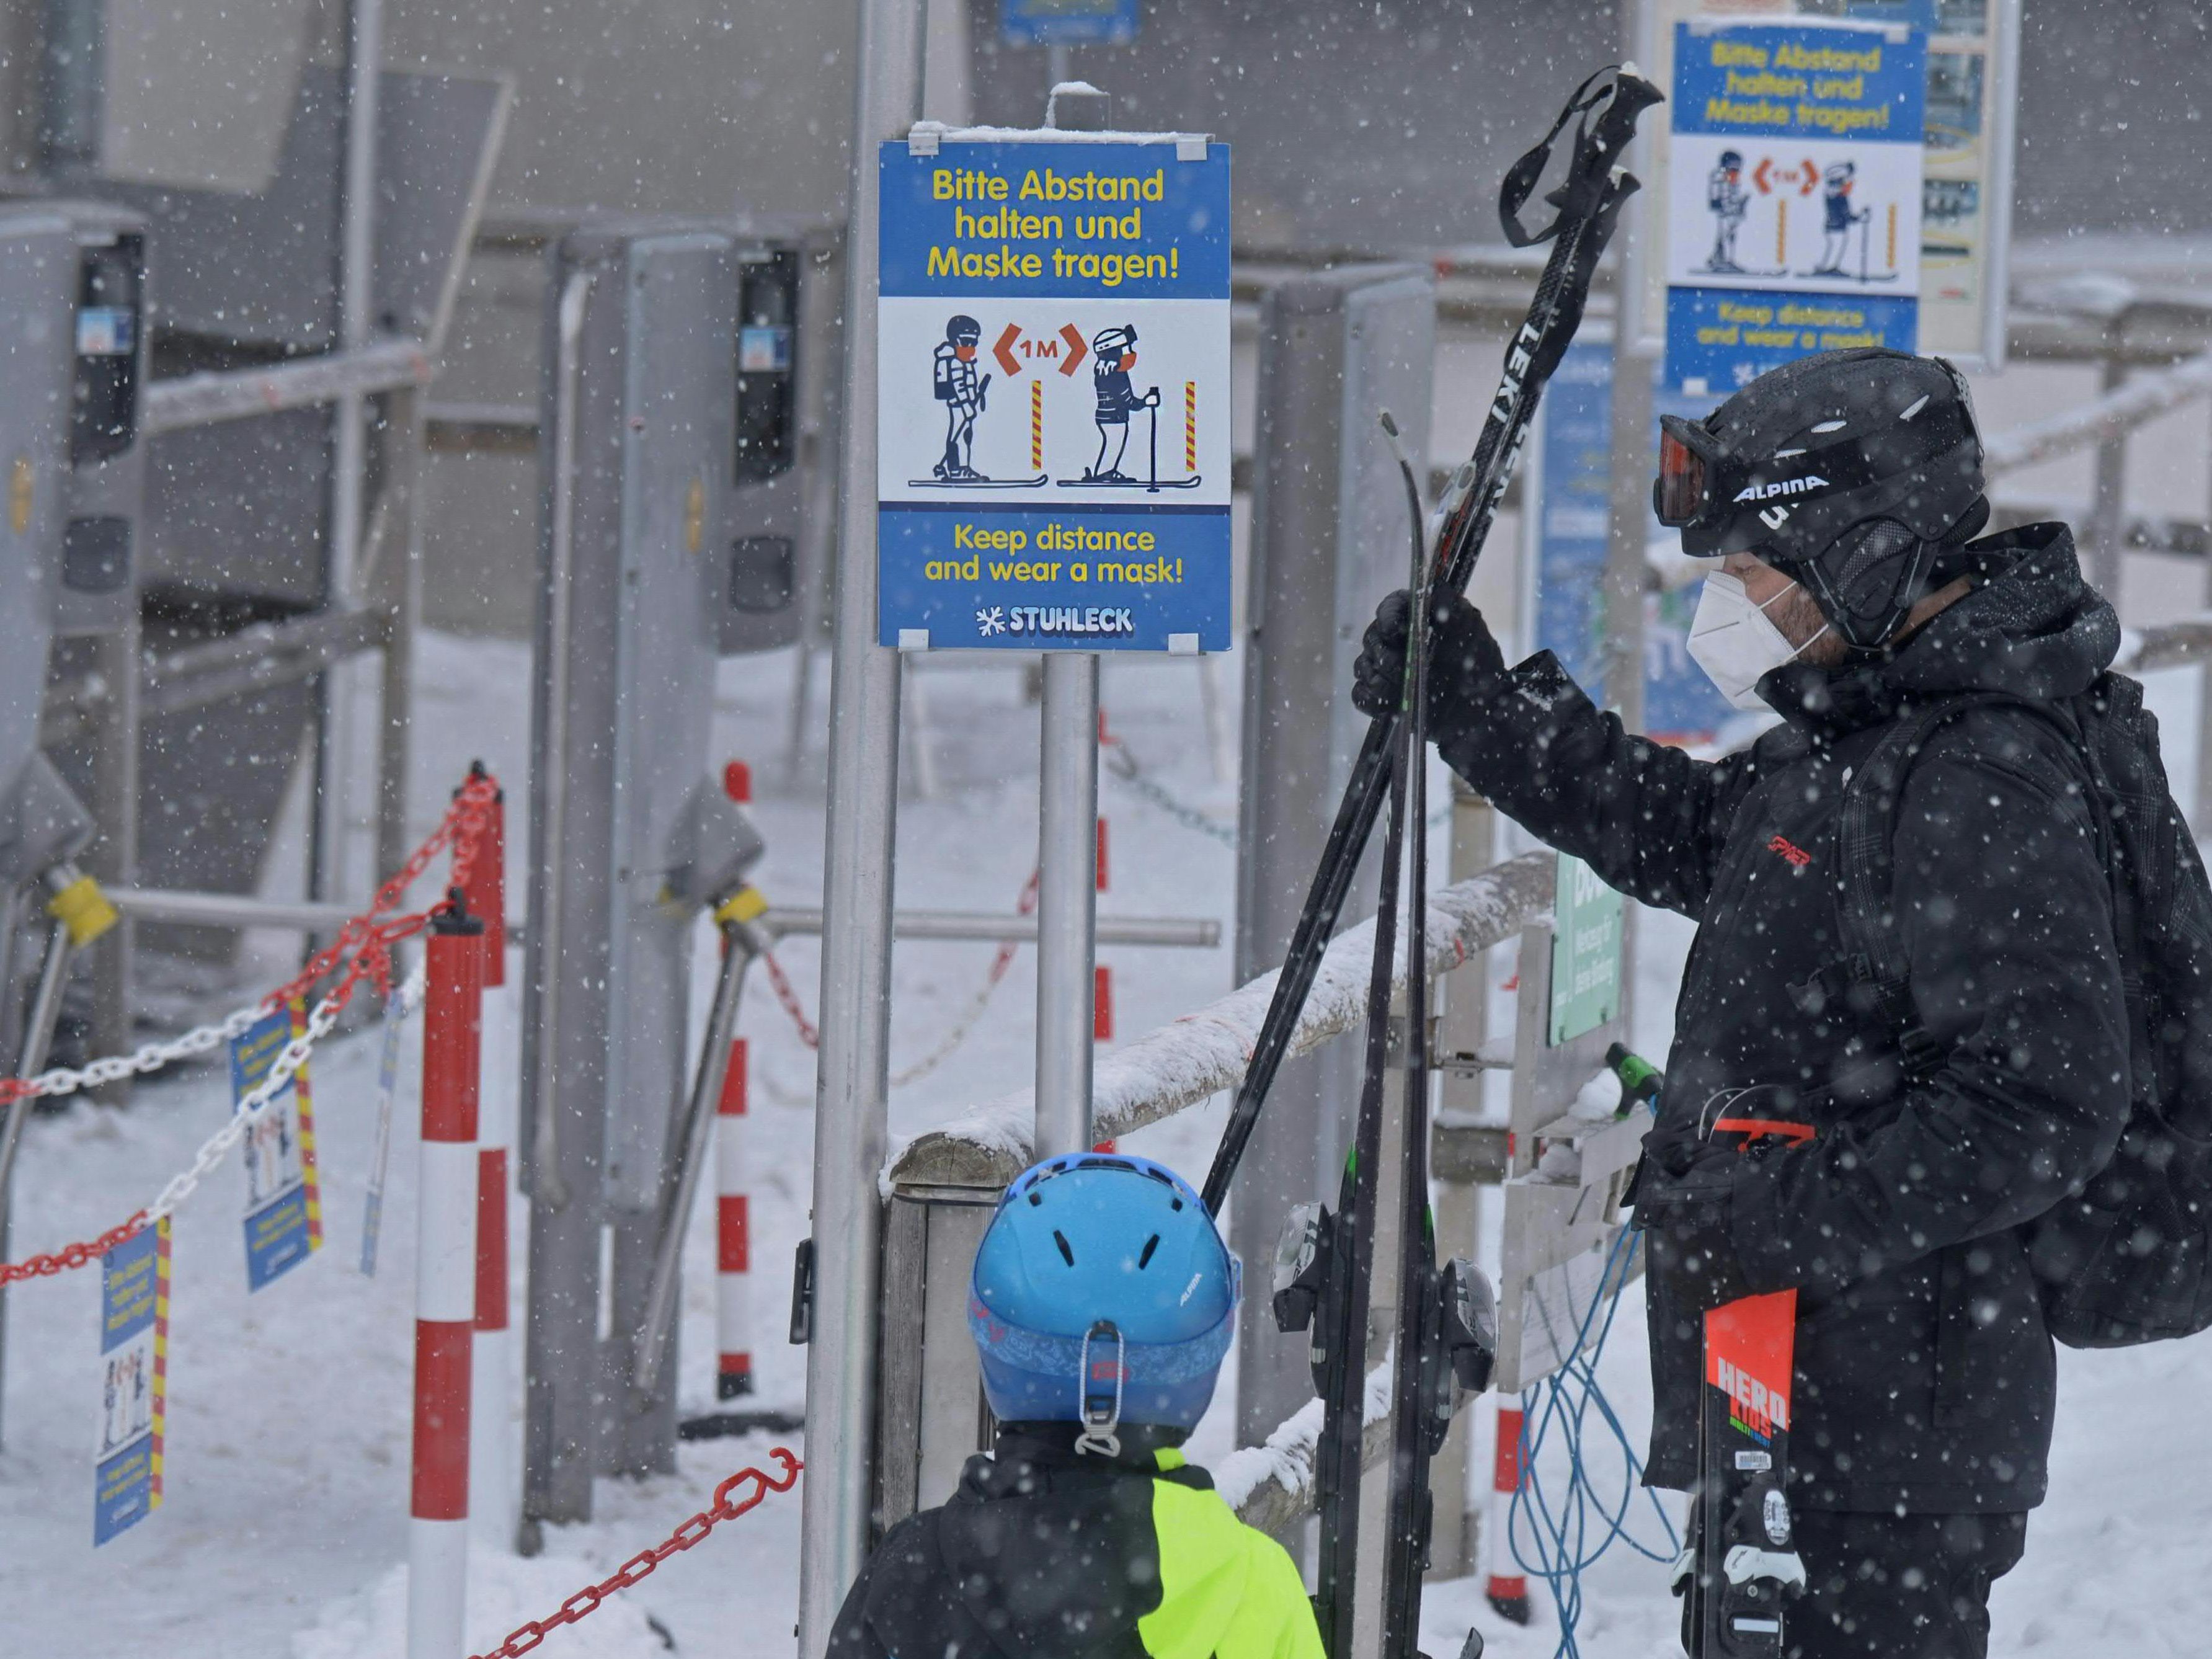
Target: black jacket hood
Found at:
2031, 627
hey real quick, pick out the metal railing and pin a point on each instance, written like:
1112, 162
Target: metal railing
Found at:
941, 1187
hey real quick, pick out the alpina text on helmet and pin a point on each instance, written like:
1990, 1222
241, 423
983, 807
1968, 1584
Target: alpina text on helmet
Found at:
1782, 487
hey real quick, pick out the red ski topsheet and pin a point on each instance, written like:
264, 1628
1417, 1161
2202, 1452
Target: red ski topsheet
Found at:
1748, 1358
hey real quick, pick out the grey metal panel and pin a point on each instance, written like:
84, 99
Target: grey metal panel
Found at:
38, 306
438, 137
606, 1044
239, 509
111, 488
676, 439
256, 269
1329, 538
199, 94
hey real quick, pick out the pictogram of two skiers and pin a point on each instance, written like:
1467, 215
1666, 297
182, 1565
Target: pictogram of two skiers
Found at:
964, 390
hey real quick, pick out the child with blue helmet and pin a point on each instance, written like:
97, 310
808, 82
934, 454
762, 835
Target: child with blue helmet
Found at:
1102, 1302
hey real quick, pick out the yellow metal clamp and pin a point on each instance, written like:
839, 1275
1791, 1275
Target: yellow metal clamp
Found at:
747, 904
82, 908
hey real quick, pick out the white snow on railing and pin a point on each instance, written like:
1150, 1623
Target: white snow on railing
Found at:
1192, 1058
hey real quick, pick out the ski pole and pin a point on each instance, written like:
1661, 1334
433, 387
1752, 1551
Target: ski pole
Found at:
1605, 109
1153, 445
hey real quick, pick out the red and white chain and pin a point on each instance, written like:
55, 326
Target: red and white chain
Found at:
361, 951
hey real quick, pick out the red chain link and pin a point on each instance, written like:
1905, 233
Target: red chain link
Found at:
363, 945
69, 1256
641, 1566
789, 998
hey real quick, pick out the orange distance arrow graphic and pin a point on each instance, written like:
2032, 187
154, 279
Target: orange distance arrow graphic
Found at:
1077, 349
1003, 351
1811, 172
1758, 174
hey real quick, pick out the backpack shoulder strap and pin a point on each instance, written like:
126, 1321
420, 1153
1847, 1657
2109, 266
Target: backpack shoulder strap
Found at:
1873, 969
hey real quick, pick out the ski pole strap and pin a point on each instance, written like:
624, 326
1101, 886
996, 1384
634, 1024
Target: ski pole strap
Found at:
1617, 97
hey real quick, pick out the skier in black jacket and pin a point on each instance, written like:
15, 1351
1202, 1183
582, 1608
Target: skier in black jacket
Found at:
1843, 493
1102, 1301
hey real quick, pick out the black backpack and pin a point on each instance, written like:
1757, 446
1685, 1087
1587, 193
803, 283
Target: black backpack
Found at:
2123, 1258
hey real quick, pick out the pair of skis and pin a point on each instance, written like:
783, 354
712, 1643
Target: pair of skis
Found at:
1741, 1563
1445, 1332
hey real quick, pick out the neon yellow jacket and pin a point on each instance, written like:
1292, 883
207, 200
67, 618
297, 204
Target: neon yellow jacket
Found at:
1044, 1554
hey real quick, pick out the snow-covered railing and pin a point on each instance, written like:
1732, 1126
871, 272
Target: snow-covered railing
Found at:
2143, 398
2169, 645
1190, 1060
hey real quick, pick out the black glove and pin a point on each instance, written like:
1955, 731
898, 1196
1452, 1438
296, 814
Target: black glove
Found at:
1463, 661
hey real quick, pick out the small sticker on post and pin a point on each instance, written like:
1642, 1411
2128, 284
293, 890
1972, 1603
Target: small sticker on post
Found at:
914, 639
1182, 645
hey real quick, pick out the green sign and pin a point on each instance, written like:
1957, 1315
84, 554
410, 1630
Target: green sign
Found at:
1585, 951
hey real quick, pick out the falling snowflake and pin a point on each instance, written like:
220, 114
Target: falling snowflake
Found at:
990, 622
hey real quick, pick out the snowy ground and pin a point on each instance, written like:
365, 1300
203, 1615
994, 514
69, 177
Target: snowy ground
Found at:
284, 1528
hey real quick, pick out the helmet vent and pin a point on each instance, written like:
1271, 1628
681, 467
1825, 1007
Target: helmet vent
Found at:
1060, 1239
1831, 426
1036, 1199
1919, 403
1144, 1259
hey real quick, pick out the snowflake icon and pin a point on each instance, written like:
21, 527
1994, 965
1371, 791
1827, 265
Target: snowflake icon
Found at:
990, 622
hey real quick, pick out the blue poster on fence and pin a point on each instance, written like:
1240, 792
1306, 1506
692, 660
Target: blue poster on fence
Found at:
1067, 22
1052, 379
283, 1194
134, 1378
1569, 525
1792, 218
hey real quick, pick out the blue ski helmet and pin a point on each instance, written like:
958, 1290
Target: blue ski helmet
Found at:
1102, 1295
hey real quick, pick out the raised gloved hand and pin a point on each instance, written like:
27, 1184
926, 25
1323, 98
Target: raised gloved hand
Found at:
1463, 659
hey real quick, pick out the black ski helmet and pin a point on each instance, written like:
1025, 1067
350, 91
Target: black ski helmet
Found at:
962, 331
1731, 160
1849, 472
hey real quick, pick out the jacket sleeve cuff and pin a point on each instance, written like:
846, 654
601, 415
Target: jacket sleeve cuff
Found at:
1506, 716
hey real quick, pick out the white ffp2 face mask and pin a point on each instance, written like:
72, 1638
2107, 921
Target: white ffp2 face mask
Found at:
1736, 642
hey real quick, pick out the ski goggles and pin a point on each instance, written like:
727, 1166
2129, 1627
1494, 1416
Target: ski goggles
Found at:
1689, 462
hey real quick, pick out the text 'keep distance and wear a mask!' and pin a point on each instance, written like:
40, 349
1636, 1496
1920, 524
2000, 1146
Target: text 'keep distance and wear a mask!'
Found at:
1736, 642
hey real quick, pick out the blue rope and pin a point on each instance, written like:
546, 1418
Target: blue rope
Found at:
1563, 1545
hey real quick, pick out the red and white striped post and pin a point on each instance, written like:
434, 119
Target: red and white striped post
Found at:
733, 1371
495, 1483
445, 1286
1507, 1589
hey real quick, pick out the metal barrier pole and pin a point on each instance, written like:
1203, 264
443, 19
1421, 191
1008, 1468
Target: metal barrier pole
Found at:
733, 1254
2108, 499
494, 1488
1067, 903
1463, 1027
850, 1129
445, 1289
38, 1038
2200, 817
741, 943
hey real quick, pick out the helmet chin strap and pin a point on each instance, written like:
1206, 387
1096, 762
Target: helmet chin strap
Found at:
1101, 1413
